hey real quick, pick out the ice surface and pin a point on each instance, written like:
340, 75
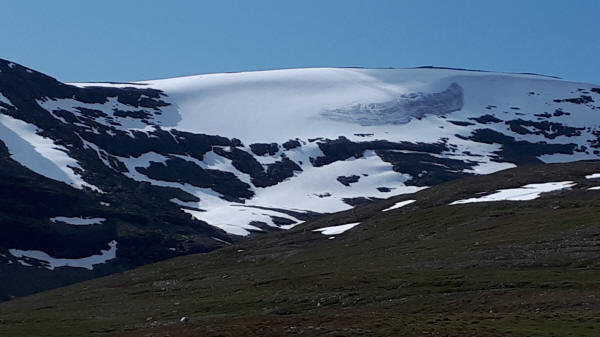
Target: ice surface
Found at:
334, 230
86, 262
401, 109
399, 204
527, 192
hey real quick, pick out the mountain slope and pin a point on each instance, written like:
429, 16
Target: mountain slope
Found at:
505, 268
103, 177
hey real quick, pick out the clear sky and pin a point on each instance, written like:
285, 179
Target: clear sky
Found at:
134, 40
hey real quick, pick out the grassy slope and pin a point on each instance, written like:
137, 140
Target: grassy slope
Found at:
428, 269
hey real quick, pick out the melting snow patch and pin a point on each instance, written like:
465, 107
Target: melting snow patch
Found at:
595, 188
334, 230
399, 204
86, 262
593, 176
527, 192
78, 221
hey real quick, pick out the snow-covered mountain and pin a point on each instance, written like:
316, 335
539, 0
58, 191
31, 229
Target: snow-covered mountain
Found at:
326, 136
226, 155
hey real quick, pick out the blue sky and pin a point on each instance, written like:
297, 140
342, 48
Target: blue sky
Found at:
135, 40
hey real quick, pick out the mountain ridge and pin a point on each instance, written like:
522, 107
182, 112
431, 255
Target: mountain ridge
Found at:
327, 67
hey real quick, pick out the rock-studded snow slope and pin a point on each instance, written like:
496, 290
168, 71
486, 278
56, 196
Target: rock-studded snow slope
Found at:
266, 150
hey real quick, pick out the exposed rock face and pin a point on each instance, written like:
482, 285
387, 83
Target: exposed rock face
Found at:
260, 149
347, 180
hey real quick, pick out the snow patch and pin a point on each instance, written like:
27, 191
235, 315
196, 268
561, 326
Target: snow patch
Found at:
317, 188
399, 204
86, 262
23, 263
527, 192
300, 193
490, 167
234, 218
39, 154
334, 230
5, 100
593, 176
78, 221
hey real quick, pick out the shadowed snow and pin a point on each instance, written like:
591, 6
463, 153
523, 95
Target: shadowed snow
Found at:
86, 262
5, 100
78, 221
